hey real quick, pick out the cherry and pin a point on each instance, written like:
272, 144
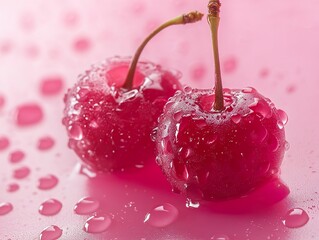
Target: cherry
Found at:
220, 143
109, 119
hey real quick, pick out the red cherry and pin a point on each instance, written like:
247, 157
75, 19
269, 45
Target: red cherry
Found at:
109, 120
220, 143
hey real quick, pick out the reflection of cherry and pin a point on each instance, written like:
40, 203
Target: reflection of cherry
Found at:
109, 119
221, 143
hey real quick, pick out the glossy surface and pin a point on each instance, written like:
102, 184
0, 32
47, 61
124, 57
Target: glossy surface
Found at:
274, 45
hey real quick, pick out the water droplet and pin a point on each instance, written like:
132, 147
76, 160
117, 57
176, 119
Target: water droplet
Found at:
28, 114
295, 218
97, 224
258, 134
261, 107
236, 118
283, 117
13, 187
178, 116
75, 132
249, 90
287, 146
51, 85
187, 89
94, 124
51, 233
84, 170
5, 208
210, 139
47, 182
153, 134
220, 237
86, 205
45, 143
16, 156
280, 124
50, 207
162, 215
4, 143
273, 143
185, 152
192, 204
81, 44
21, 172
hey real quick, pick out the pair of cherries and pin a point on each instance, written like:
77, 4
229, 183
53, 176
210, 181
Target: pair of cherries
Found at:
211, 144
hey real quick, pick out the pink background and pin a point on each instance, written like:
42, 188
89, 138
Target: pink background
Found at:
271, 45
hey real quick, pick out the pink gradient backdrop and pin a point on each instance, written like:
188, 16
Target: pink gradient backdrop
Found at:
271, 45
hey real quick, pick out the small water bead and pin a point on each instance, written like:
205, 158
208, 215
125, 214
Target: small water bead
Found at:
178, 116
280, 125
75, 132
220, 237
47, 182
51, 233
249, 90
81, 44
261, 107
187, 89
283, 117
28, 114
162, 215
4, 143
86, 205
50, 207
295, 218
153, 134
16, 156
21, 172
51, 85
13, 187
192, 204
5, 208
45, 143
97, 224
84, 170
236, 118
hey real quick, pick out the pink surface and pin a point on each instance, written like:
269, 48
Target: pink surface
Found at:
269, 45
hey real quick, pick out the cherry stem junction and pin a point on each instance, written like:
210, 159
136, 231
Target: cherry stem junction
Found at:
213, 19
191, 17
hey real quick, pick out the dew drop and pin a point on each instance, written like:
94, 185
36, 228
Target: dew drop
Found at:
21, 172
97, 224
261, 107
249, 90
51, 85
4, 143
94, 124
210, 139
16, 156
178, 116
153, 134
187, 89
28, 114
280, 125
185, 153
162, 215
47, 182
50, 207
75, 132
51, 233
45, 143
295, 218
84, 170
283, 117
192, 204
13, 187
273, 143
5, 208
220, 237
236, 118
258, 134
86, 205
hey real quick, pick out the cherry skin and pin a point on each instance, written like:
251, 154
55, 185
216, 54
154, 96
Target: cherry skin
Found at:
109, 127
213, 155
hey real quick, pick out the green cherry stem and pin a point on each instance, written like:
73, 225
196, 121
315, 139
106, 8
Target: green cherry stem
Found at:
183, 19
213, 19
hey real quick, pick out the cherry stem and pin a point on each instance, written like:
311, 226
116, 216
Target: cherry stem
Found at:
183, 19
213, 19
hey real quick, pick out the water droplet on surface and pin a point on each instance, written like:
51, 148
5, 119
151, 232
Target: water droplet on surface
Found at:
81, 44
51, 85
287, 146
97, 224
220, 237
28, 114
4, 143
50, 207
84, 170
249, 90
261, 107
47, 182
295, 218
153, 134
75, 132
280, 125
236, 118
86, 205
5, 208
21, 172
192, 204
13, 187
45, 143
51, 233
258, 134
178, 116
16, 156
187, 89
162, 215
283, 117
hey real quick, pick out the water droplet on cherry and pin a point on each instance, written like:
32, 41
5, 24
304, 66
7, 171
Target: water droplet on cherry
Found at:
21, 172
75, 132
162, 216
86, 205
13, 187
45, 143
4, 143
220, 237
51, 233
236, 118
295, 218
282, 116
192, 204
97, 224
16, 156
50, 207
5, 208
47, 182
51, 85
28, 114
